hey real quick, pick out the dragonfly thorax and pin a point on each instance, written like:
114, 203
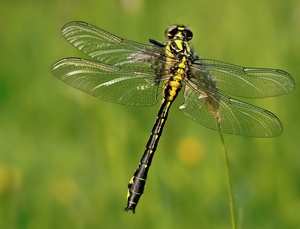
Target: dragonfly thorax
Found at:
178, 45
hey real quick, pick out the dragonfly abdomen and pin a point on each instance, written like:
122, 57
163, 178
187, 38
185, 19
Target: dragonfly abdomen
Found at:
137, 183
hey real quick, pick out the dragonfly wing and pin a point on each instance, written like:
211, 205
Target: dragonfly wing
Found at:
109, 49
110, 83
242, 81
222, 113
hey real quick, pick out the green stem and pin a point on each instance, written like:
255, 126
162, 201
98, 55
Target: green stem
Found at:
231, 205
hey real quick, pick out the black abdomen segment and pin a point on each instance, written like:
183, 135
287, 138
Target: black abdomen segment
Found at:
138, 181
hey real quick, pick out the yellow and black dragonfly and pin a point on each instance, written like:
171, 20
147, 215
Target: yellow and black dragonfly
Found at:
135, 74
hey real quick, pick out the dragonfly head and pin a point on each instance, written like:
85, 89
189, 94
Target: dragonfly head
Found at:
178, 31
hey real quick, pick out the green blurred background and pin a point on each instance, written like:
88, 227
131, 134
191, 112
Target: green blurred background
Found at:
66, 157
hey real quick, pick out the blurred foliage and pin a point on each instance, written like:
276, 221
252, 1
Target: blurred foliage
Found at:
66, 157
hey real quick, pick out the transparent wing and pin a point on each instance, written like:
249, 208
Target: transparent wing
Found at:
109, 49
222, 113
242, 81
110, 83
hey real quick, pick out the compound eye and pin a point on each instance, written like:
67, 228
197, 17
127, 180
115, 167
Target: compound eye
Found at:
188, 34
170, 32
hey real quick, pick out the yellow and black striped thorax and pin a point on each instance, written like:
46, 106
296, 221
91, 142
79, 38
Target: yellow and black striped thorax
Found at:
178, 37
179, 57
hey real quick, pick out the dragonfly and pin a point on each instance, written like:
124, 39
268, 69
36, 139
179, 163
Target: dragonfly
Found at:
135, 74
